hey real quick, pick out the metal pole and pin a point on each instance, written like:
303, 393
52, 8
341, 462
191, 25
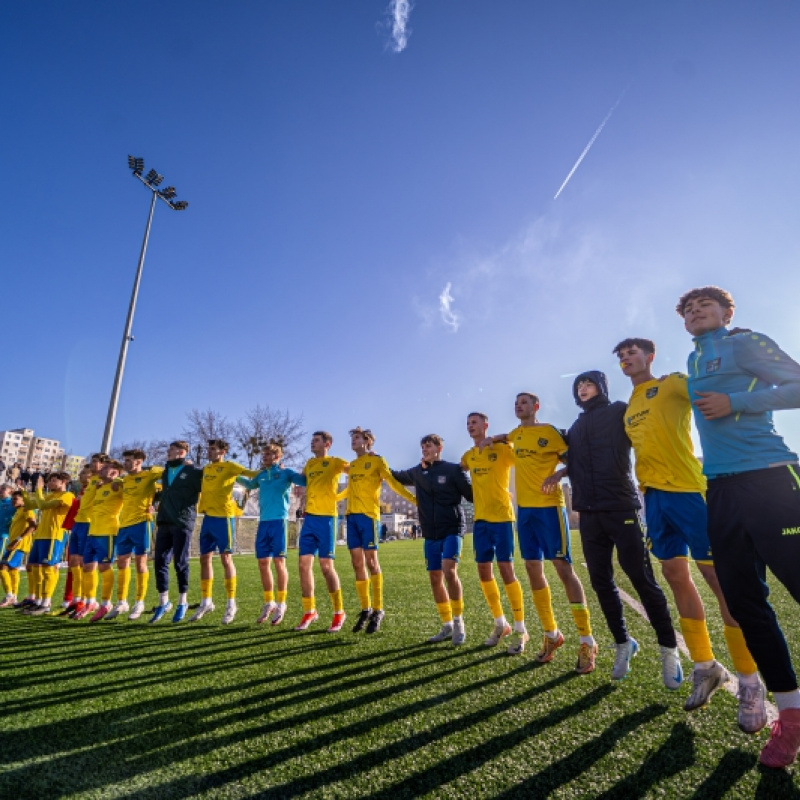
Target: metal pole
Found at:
126, 337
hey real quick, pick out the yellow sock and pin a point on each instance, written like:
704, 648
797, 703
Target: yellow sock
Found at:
445, 612
142, 579
492, 595
281, 595
514, 593
544, 608
90, 582
123, 583
36, 580
230, 587
108, 585
697, 639
206, 584
31, 577
269, 596
457, 607
742, 660
376, 583
77, 582
362, 590
580, 613
5, 578
49, 582
337, 601
15, 582
309, 604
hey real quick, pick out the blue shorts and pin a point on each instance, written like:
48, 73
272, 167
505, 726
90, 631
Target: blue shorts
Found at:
677, 524
46, 551
362, 531
99, 550
318, 536
492, 540
134, 539
544, 534
217, 533
438, 549
14, 559
271, 538
77, 538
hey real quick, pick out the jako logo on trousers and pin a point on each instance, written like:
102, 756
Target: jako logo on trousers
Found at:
790, 532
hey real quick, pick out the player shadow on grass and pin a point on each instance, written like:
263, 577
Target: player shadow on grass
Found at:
400, 748
175, 737
168, 733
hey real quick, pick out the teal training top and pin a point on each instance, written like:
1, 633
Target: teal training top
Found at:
759, 378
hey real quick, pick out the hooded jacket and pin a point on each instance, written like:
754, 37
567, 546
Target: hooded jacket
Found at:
599, 454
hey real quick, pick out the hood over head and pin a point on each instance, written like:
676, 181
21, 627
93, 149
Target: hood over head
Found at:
598, 379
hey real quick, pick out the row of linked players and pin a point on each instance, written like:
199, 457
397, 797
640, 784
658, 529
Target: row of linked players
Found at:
743, 504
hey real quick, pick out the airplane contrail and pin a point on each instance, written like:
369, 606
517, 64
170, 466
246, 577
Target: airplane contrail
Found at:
591, 142
399, 11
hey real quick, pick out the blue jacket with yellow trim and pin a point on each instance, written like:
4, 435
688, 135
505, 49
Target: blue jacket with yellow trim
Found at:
759, 378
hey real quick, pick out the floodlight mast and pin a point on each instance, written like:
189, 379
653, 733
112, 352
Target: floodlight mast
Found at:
151, 181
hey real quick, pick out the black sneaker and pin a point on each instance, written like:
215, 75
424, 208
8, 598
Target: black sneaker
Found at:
25, 603
375, 619
362, 620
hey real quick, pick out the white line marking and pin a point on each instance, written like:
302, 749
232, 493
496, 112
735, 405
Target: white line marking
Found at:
732, 686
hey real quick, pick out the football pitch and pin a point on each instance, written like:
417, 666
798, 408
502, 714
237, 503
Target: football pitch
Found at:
122, 709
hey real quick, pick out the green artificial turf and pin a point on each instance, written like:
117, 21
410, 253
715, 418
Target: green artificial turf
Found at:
130, 710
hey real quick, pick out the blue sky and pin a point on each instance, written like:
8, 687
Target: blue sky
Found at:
336, 187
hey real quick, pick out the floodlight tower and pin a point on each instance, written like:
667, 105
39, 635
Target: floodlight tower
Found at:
151, 181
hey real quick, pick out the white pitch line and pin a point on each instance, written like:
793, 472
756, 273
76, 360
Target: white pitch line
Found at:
731, 686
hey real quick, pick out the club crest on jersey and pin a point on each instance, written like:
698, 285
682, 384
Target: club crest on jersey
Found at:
442, 478
325, 463
542, 442
713, 365
651, 392
137, 480
219, 469
368, 465
492, 456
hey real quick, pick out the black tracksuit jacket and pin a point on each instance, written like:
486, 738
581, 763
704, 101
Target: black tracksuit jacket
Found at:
599, 455
440, 488
178, 500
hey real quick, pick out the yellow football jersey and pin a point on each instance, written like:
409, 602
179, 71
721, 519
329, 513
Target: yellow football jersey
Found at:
322, 481
367, 474
54, 508
138, 491
19, 524
87, 498
536, 456
105, 509
219, 479
490, 470
658, 424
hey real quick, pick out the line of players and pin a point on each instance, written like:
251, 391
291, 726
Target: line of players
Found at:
752, 518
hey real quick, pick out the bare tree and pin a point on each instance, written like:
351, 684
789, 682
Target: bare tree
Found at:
202, 426
155, 450
262, 424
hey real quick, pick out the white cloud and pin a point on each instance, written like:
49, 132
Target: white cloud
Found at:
398, 12
449, 317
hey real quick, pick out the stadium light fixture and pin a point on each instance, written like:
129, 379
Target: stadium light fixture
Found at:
151, 181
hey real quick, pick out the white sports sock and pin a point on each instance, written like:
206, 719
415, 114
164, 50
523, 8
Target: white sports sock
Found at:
785, 700
163, 598
588, 640
551, 634
182, 599
519, 627
500, 621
